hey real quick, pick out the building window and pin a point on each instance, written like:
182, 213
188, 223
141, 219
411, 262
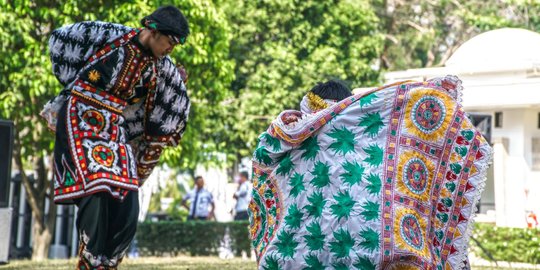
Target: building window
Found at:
482, 122
539, 120
498, 119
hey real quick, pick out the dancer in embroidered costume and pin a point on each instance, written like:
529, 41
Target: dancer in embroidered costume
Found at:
384, 179
123, 101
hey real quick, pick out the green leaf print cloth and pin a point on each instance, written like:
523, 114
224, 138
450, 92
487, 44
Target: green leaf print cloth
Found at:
386, 179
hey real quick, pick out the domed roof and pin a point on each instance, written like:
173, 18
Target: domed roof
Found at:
501, 46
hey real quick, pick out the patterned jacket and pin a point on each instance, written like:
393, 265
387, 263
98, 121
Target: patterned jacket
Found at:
153, 123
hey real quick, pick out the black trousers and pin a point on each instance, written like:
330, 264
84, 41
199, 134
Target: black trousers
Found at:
197, 218
241, 215
106, 228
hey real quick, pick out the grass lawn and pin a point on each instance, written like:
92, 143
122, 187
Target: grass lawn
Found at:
152, 263
147, 263
501, 267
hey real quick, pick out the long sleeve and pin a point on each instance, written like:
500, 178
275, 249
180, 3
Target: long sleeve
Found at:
166, 114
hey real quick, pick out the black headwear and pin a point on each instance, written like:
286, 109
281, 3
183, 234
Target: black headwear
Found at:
169, 21
331, 90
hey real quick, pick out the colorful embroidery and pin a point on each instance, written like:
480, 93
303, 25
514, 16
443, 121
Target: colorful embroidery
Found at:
266, 204
94, 75
68, 179
386, 184
414, 175
95, 119
428, 114
410, 235
103, 155
101, 161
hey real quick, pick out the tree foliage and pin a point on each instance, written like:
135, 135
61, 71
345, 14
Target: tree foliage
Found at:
283, 48
425, 33
27, 81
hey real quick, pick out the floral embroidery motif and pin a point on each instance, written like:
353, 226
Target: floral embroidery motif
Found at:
103, 155
414, 175
410, 236
95, 119
428, 114
411, 232
94, 75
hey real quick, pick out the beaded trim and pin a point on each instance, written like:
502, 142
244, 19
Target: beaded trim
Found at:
87, 87
315, 102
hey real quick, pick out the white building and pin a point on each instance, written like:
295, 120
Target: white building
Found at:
500, 70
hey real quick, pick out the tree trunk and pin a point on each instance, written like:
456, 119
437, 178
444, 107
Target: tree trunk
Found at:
42, 242
36, 193
43, 231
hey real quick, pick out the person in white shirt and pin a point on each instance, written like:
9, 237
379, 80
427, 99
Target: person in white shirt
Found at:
201, 200
242, 196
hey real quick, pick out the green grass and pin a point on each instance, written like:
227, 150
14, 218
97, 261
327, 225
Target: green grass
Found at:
505, 268
176, 263
147, 263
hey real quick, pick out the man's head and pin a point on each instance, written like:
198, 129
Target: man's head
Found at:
323, 95
199, 182
168, 28
331, 89
244, 176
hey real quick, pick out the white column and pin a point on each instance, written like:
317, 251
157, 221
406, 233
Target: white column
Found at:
58, 230
20, 222
499, 161
75, 234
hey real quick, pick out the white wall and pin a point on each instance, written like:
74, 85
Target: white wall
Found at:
511, 173
532, 183
511, 185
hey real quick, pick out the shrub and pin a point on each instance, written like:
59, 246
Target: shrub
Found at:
205, 237
192, 237
507, 244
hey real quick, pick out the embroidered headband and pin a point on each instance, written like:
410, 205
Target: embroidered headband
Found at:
169, 21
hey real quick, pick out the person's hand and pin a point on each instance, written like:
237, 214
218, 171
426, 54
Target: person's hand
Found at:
291, 118
183, 73
211, 216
